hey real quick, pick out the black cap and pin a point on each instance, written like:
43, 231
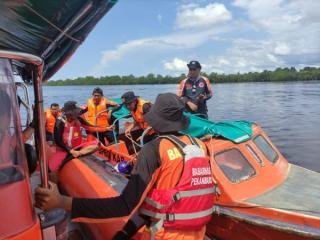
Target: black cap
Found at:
128, 97
194, 64
97, 90
71, 107
166, 114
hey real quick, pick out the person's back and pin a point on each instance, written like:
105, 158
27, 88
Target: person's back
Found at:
174, 165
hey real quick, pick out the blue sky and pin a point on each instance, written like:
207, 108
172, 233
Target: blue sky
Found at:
160, 36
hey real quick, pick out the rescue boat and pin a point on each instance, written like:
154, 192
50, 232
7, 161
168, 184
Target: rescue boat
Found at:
259, 195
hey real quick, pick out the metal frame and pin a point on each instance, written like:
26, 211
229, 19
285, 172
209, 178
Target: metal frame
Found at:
37, 64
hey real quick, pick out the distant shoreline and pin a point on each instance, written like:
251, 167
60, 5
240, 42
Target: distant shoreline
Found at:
278, 75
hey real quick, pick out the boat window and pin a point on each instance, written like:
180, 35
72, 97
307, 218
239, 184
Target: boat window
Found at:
254, 154
11, 146
266, 148
234, 165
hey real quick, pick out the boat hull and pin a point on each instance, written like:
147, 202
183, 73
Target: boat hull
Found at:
227, 227
94, 178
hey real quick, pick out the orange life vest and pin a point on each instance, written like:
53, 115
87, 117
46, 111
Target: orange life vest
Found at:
93, 110
50, 121
138, 114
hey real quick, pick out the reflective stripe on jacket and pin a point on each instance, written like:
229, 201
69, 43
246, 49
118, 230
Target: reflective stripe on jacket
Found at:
188, 205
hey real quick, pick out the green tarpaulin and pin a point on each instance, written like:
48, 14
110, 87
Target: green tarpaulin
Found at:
236, 131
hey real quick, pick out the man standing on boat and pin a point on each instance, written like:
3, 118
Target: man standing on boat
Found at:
165, 166
138, 107
51, 115
97, 114
195, 90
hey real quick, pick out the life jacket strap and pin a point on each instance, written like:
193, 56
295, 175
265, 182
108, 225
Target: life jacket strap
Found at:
177, 216
157, 225
181, 194
181, 145
192, 193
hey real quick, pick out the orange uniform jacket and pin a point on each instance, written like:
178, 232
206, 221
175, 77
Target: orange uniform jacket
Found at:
159, 165
138, 114
93, 110
50, 121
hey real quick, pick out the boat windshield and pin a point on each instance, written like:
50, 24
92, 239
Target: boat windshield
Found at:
12, 158
234, 165
266, 148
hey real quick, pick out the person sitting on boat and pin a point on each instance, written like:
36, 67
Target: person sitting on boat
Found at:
138, 107
51, 115
68, 138
96, 114
195, 90
160, 167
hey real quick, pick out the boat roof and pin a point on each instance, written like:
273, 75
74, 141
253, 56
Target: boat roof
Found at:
51, 30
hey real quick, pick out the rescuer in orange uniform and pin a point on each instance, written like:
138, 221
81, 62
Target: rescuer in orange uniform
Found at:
138, 107
97, 114
51, 115
160, 167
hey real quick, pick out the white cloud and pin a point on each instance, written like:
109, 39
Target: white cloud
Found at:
282, 49
278, 33
175, 65
287, 34
272, 58
294, 23
175, 41
245, 55
192, 16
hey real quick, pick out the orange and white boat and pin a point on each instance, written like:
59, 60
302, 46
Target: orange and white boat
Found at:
259, 195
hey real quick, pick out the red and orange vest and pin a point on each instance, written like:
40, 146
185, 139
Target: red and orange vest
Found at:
72, 134
189, 204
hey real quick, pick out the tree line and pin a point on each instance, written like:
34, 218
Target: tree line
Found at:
278, 75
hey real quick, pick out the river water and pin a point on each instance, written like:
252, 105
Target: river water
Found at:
288, 112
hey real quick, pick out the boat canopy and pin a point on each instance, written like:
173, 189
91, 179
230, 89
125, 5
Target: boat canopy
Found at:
51, 30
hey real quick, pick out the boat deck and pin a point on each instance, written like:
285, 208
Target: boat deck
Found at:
299, 193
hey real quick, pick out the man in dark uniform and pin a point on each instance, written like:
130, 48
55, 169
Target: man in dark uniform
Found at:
195, 90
